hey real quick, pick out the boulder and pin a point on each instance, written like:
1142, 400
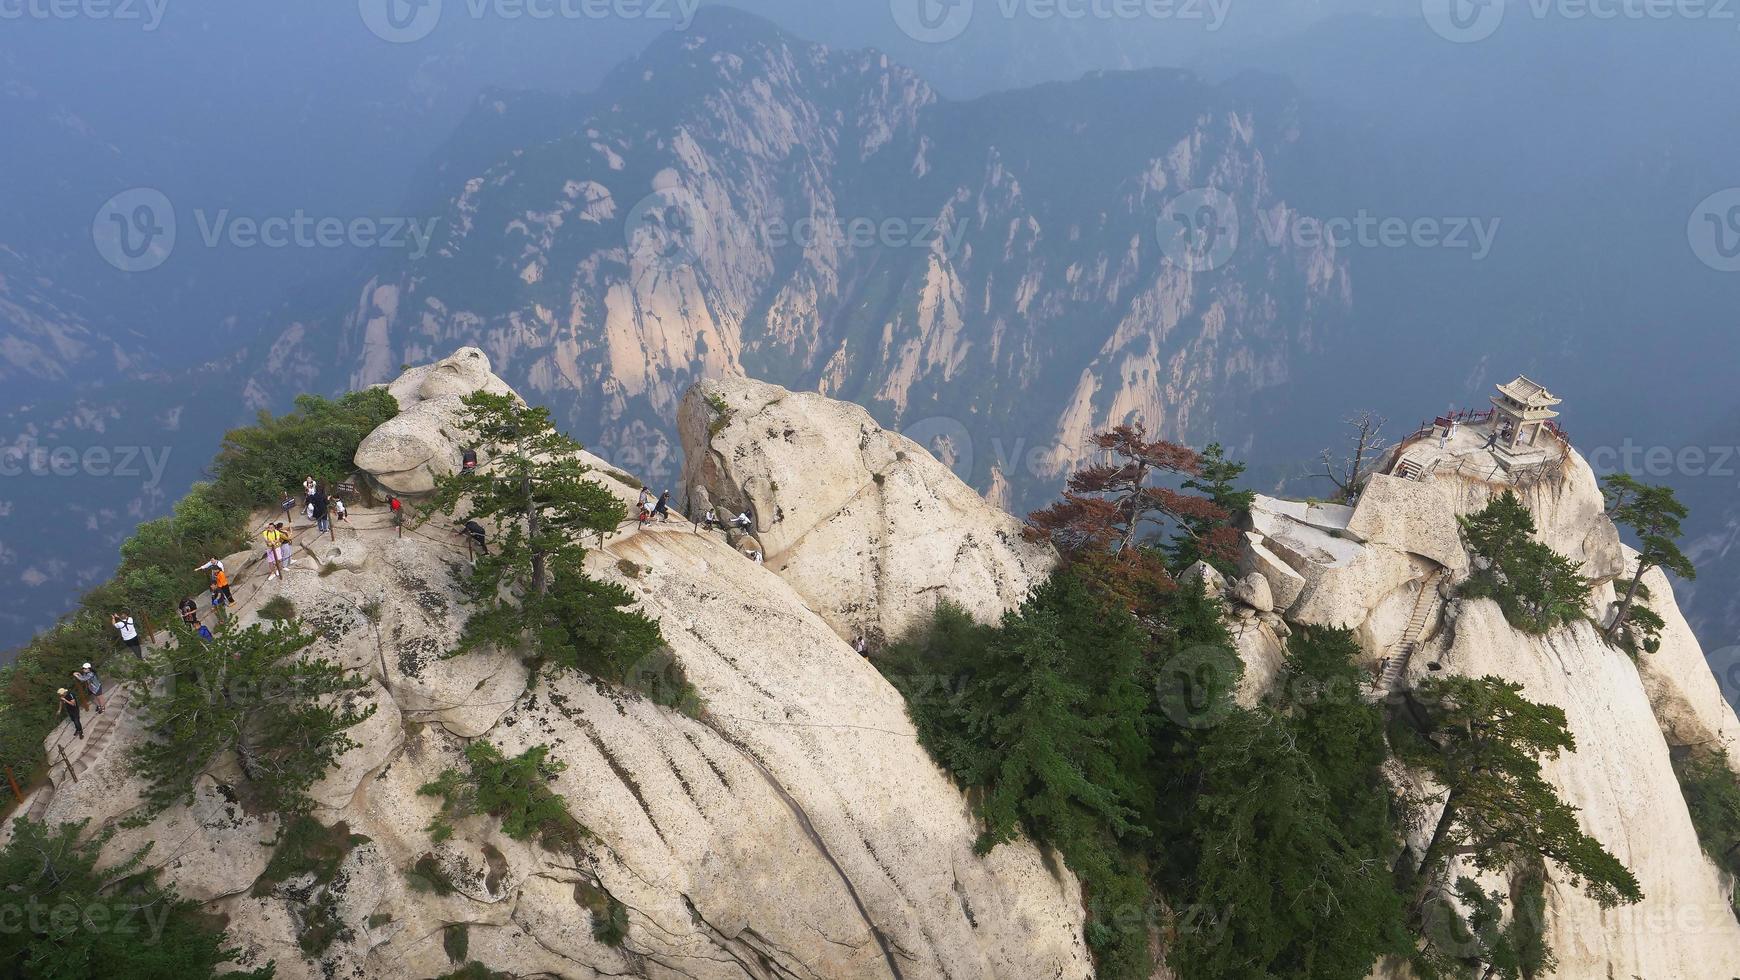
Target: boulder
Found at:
1253, 590
1413, 516
1214, 583
424, 442
863, 522
1285, 584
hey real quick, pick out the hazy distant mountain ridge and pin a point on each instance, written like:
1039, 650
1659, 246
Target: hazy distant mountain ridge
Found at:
992, 265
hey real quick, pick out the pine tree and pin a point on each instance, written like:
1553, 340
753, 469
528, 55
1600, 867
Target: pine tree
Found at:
1482, 741
1654, 514
531, 592
1112, 514
1537, 587
1208, 538
252, 692
66, 920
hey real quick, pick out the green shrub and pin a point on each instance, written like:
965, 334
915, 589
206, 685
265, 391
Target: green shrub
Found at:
426, 875
278, 609
722, 415
1713, 798
515, 790
306, 846
609, 916
456, 940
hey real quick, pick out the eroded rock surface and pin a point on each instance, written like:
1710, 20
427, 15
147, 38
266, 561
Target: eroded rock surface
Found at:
794, 828
862, 522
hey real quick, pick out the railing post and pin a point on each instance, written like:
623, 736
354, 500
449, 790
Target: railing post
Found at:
13, 780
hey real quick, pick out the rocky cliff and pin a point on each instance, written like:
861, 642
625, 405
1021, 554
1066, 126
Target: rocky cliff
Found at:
1387, 568
793, 828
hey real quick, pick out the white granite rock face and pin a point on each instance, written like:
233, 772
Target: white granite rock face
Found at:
794, 829
1625, 716
864, 523
423, 442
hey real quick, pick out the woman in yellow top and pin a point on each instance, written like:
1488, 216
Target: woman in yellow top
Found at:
277, 548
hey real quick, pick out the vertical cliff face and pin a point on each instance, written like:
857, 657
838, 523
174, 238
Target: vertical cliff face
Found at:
1387, 569
737, 201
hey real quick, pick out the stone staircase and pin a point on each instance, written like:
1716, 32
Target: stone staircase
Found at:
64, 747
1413, 466
1425, 606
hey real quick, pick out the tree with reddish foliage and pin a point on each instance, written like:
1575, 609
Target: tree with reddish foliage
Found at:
1109, 509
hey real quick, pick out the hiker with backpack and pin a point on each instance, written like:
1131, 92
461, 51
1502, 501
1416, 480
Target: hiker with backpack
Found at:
129, 631
662, 510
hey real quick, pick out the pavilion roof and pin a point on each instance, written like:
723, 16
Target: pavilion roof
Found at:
1529, 393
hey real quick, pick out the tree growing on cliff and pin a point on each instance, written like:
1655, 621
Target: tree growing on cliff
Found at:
1210, 538
1654, 514
531, 591
251, 692
63, 917
1482, 741
1111, 514
1537, 587
1349, 472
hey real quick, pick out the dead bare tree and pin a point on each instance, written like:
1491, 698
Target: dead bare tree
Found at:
1368, 447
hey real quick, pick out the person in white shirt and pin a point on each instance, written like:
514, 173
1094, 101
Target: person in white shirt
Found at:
124, 624
741, 521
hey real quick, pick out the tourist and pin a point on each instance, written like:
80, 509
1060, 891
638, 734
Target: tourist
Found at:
189, 611
94, 685
274, 540
710, 521
475, 532
468, 461
398, 510
753, 554
204, 633
285, 547
861, 645
741, 521
129, 631
220, 582
318, 503
663, 510
70, 705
